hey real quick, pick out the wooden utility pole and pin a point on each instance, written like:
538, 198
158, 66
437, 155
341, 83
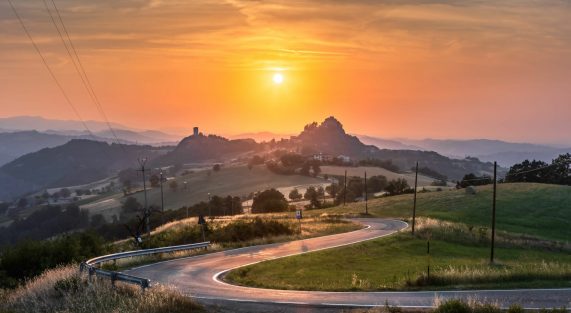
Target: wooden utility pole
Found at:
146, 209
494, 214
345, 189
414, 204
162, 199
366, 196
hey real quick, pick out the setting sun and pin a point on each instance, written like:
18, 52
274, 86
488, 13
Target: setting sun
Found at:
278, 78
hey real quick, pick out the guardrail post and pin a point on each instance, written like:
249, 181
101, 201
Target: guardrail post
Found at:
145, 284
113, 278
91, 272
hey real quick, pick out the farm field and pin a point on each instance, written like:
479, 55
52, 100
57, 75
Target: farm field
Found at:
235, 181
373, 171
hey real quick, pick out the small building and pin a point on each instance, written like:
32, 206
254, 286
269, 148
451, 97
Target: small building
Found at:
195, 131
344, 158
323, 157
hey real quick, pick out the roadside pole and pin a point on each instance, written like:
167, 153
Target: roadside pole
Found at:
202, 222
414, 204
162, 200
299, 216
428, 259
345, 189
148, 227
494, 213
366, 196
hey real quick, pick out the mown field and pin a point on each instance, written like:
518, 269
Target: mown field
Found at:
533, 209
373, 171
534, 223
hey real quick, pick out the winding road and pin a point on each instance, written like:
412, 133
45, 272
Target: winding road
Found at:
199, 277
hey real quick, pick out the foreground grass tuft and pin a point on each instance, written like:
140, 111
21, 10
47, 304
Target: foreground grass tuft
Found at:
64, 290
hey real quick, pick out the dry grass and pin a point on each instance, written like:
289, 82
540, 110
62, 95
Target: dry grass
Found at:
64, 290
311, 227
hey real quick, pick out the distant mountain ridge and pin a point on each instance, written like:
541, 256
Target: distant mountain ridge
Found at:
505, 153
76, 162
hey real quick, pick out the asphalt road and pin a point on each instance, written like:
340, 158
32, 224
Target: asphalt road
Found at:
199, 277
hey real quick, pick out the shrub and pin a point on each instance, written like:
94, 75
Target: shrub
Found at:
515, 308
486, 308
453, 306
268, 201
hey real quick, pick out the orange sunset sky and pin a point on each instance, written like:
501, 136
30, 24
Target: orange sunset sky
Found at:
410, 68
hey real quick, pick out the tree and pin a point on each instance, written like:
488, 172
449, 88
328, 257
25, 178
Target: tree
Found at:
332, 189
126, 188
305, 169
397, 186
22, 203
173, 185
473, 180
154, 180
97, 220
64, 193
320, 191
268, 201
309, 192
216, 167
132, 205
315, 168
295, 195
376, 183
4, 208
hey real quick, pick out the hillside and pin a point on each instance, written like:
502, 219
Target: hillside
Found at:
77, 162
202, 148
505, 153
16, 144
329, 137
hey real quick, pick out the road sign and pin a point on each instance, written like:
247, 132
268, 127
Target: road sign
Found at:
298, 214
201, 220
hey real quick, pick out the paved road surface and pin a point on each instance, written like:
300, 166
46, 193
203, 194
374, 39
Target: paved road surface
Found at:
199, 277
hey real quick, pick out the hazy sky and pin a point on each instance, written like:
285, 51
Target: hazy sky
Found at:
395, 68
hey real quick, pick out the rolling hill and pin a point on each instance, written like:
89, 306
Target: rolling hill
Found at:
77, 162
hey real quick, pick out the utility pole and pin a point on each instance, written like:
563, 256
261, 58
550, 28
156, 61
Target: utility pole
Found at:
142, 164
162, 200
414, 204
366, 196
345, 189
209, 207
494, 214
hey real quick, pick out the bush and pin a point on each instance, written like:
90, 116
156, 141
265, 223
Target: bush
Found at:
453, 306
269, 201
515, 308
486, 308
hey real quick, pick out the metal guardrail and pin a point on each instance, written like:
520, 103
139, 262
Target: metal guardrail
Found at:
91, 264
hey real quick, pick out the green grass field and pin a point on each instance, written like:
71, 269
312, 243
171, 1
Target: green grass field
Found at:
532, 209
459, 259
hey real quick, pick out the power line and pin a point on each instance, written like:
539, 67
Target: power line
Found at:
54, 78
78, 65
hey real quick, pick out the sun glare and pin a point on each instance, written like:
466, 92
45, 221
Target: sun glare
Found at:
278, 78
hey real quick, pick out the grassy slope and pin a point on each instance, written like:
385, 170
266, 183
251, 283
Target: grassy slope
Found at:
385, 264
236, 181
532, 209
373, 171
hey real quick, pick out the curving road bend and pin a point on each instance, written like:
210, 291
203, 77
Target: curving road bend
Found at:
199, 277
